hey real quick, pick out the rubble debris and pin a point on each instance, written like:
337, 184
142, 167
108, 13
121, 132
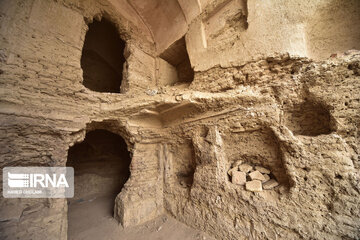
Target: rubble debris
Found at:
262, 169
254, 186
232, 170
255, 179
245, 168
267, 177
238, 178
270, 184
256, 175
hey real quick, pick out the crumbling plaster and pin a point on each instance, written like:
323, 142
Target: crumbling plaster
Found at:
306, 28
242, 87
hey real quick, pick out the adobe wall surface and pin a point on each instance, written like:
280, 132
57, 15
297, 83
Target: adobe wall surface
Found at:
258, 97
240, 31
256, 123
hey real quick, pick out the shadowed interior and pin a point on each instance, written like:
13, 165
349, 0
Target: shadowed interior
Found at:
101, 165
102, 57
308, 119
178, 57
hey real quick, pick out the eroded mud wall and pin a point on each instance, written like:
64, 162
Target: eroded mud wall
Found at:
251, 100
313, 153
45, 108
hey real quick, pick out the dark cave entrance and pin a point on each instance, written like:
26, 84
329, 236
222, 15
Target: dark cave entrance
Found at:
101, 167
103, 58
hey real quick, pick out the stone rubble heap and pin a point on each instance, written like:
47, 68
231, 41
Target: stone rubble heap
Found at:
255, 179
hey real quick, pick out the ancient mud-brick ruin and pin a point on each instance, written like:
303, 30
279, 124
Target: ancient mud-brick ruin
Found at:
238, 118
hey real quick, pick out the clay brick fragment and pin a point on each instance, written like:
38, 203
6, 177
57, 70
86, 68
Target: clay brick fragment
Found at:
254, 186
238, 178
256, 175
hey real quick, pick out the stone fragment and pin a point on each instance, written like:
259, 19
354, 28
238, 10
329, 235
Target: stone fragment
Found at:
232, 170
254, 186
270, 184
267, 178
262, 169
256, 175
238, 178
151, 92
245, 168
237, 163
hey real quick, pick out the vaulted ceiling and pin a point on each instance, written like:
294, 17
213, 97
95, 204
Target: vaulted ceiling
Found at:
165, 21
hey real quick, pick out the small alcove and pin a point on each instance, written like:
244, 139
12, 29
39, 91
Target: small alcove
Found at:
308, 119
176, 67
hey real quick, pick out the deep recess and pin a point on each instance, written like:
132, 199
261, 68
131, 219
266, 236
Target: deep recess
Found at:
102, 57
177, 55
101, 165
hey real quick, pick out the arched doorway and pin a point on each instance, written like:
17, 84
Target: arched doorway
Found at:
101, 165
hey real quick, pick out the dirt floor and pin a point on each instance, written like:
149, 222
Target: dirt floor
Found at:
99, 224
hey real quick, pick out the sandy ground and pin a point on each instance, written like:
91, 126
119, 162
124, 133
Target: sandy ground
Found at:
91, 219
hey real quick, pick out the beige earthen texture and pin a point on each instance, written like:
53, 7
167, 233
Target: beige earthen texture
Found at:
238, 178
256, 175
251, 101
313, 29
270, 184
254, 186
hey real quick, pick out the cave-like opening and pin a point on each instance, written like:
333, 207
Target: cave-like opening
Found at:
101, 166
103, 58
